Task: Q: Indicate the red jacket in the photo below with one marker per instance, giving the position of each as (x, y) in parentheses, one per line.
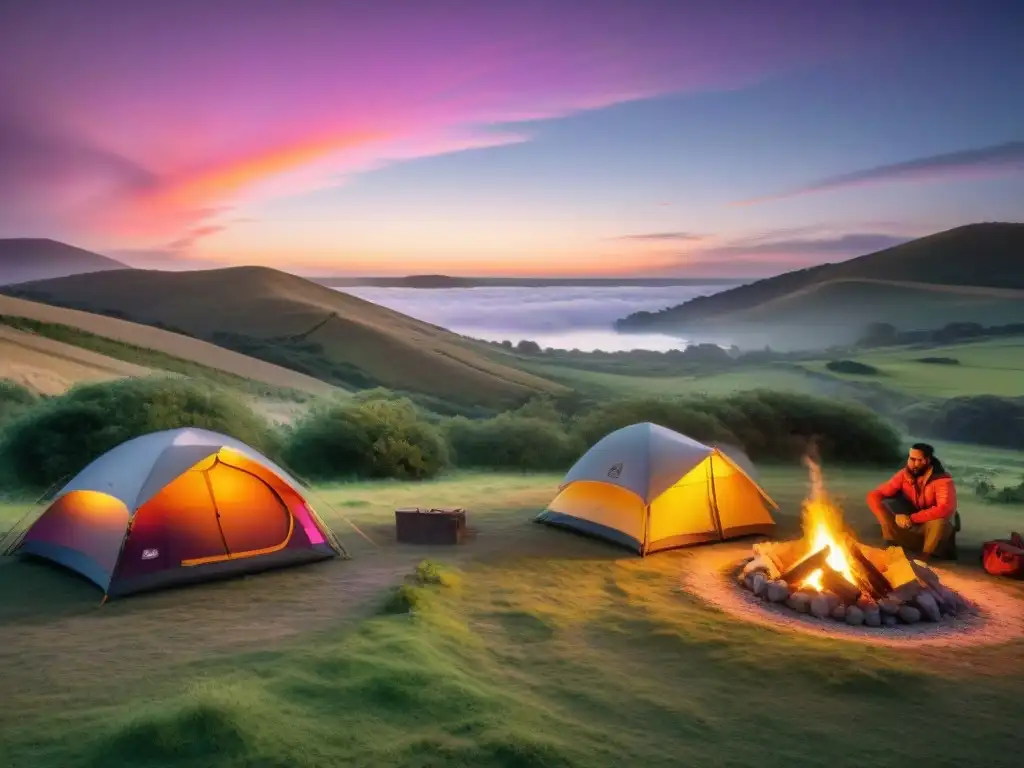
(934, 496)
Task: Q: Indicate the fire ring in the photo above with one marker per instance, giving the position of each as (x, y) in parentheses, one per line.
(996, 615)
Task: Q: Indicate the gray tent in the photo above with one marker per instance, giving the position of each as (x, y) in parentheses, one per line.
(650, 488)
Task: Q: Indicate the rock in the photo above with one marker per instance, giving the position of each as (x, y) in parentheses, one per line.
(758, 583)
(832, 599)
(839, 612)
(947, 598)
(873, 617)
(866, 603)
(778, 591)
(889, 606)
(799, 601)
(909, 614)
(820, 606)
(854, 615)
(928, 606)
(889, 620)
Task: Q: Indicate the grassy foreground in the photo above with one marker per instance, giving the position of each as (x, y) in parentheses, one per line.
(540, 649)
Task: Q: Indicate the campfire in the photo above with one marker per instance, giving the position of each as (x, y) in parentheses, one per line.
(830, 575)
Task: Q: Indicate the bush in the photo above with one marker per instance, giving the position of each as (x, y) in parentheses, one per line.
(978, 419)
(373, 438)
(59, 437)
(511, 441)
(939, 360)
(767, 424)
(852, 367)
(14, 400)
(1010, 494)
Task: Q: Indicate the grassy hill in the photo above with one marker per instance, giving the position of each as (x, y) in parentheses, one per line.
(23, 259)
(303, 326)
(47, 337)
(973, 273)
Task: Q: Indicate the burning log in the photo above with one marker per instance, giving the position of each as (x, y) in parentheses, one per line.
(796, 575)
(836, 583)
(869, 578)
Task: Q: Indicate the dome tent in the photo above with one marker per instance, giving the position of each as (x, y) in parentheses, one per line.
(649, 488)
(178, 506)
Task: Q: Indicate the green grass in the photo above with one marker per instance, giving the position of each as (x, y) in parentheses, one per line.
(992, 367)
(150, 358)
(612, 384)
(527, 646)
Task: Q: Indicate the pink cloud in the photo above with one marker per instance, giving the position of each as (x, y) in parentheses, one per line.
(144, 121)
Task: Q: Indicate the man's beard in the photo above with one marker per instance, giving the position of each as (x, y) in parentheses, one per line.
(917, 471)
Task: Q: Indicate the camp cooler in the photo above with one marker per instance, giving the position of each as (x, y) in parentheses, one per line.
(436, 525)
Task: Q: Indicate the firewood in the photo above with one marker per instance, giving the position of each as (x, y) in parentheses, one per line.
(837, 583)
(806, 567)
(869, 578)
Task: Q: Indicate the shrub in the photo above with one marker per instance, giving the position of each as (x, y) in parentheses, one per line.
(372, 438)
(939, 360)
(57, 438)
(852, 367)
(979, 419)
(1009, 494)
(511, 441)
(767, 424)
(14, 400)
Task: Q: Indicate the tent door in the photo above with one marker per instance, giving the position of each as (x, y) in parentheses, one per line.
(229, 555)
(713, 498)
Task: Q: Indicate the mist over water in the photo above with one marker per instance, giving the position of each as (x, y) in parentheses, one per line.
(573, 317)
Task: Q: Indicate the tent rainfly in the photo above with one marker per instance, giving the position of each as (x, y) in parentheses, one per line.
(174, 507)
(649, 488)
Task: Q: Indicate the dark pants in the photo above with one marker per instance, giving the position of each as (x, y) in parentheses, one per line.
(934, 538)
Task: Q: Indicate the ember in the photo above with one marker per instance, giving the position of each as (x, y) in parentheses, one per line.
(828, 573)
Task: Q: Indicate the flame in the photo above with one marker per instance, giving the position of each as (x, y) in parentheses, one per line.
(823, 527)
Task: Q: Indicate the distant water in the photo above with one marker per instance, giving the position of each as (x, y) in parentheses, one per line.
(560, 317)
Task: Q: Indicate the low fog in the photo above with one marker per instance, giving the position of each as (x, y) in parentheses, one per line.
(560, 317)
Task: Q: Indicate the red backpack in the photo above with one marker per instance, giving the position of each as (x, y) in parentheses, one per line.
(1004, 557)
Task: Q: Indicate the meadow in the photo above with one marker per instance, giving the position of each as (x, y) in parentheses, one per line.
(993, 367)
(528, 646)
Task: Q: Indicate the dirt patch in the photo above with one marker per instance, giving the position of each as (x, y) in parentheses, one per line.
(999, 617)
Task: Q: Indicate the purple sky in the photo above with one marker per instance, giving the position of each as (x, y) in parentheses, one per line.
(554, 137)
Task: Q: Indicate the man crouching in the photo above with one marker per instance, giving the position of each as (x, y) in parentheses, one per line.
(916, 507)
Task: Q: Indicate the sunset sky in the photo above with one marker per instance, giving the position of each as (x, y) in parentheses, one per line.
(555, 137)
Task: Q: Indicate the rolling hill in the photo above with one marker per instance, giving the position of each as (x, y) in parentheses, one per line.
(24, 259)
(45, 352)
(973, 273)
(298, 324)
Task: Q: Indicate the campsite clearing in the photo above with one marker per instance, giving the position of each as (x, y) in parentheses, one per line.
(546, 648)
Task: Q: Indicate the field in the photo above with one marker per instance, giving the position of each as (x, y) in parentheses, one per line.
(147, 346)
(992, 367)
(611, 384)
(49, 367)
(544, 649)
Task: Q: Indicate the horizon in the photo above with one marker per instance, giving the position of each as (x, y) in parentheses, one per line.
(615, 140)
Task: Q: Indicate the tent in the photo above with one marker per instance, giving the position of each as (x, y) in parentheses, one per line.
(178, 506)
(649, 489)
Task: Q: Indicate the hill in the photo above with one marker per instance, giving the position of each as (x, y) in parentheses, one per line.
(138, 346)
(300, 325)
(24, 259)
(49, 367)
(973, 273)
